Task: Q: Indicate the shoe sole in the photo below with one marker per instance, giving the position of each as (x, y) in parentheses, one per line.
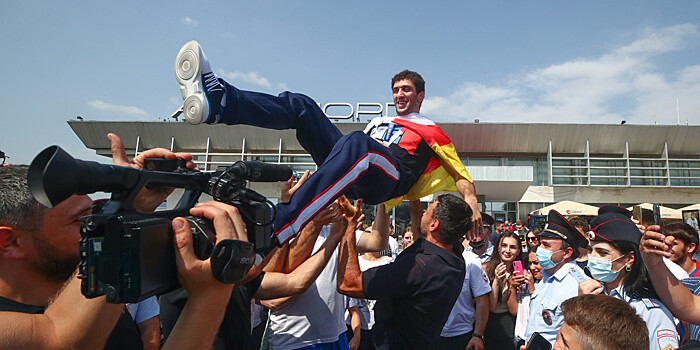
(187, 73)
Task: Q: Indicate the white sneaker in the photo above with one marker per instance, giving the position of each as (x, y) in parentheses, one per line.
(199, 86)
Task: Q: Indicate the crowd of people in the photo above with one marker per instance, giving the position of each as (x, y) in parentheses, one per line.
(455, 279)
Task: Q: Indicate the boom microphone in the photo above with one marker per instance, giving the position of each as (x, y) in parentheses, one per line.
(261, 172)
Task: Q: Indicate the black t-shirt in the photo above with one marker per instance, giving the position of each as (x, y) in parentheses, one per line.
(125, 334)
(414, 294)
(234, 332)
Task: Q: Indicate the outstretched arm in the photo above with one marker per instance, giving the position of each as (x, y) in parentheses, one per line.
(284, 280)
(682, 303)
(378, 239)
(349, 273)
(415, 209)
(468, 192)
(277, 285)
(148, 199)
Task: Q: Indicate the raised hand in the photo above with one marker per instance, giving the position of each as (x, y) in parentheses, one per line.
(590, 286)
(288, 190)
(654, 245)
(148, 199)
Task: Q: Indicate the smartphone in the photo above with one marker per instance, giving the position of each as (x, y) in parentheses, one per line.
(637, 213)
(537, 342)
(657, 214)
(518, 268)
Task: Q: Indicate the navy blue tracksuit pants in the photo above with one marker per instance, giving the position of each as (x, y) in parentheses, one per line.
(354, 165)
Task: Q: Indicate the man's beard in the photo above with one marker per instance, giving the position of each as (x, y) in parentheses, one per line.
(53, 263)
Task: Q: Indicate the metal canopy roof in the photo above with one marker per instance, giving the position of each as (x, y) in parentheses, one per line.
(468, 138)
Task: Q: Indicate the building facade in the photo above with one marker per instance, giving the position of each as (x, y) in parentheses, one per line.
(517, 167)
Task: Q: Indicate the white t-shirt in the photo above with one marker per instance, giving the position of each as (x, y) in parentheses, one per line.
(314, 317)
(676, 270)
(365, 307)
(523, 312)
(393, 247)
(144, 310)
(476, 283)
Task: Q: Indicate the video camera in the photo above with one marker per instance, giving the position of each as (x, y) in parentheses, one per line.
(128, 255)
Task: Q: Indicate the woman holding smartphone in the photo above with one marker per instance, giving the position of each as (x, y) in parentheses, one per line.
(617, 268)
(501, 325)
(519, 302)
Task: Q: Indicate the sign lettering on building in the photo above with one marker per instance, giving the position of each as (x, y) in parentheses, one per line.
(360, 112)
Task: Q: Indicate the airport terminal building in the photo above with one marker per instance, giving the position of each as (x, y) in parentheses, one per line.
(516, 167)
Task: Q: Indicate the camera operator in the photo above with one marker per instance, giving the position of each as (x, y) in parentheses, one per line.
(76, 322)
(38, 253)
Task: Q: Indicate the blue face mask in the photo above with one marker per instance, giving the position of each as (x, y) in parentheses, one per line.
(544, 256)
(601, 269)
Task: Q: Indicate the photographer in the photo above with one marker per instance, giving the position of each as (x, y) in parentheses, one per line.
(76, 322)
(38, 253)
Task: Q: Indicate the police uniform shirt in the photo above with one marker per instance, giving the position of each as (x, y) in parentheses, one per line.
(545, 305)
(486, 256)
(463, 314)
(659, 320)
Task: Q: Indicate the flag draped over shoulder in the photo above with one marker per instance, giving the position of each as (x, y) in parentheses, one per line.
(435, 178)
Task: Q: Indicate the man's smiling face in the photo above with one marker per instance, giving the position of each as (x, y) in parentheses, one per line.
(406, 97)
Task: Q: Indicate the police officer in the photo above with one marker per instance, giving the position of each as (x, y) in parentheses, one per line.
(618, 271)
(559, 242)
(480, 245)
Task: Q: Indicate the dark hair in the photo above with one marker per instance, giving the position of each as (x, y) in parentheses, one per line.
(526, 256)
(455, 217)
(496, 257)
(682, 232)
(606, 323)
(637, 283)
(581, 222)
(17, 206)
(414, 77)
(565, 244)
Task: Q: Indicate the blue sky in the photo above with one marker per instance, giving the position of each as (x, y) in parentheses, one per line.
(515, 61)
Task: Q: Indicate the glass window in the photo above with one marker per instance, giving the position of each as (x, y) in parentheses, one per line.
(648, 163)
(608, 181)
(609, 163)
(569, 162)
(647, 182)
(685, 182)
(638, 172)
(685, 173)
(570, 181)
(297, 159)
(569, 171)
(684, 164)
(608, 172)
(540, 169)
